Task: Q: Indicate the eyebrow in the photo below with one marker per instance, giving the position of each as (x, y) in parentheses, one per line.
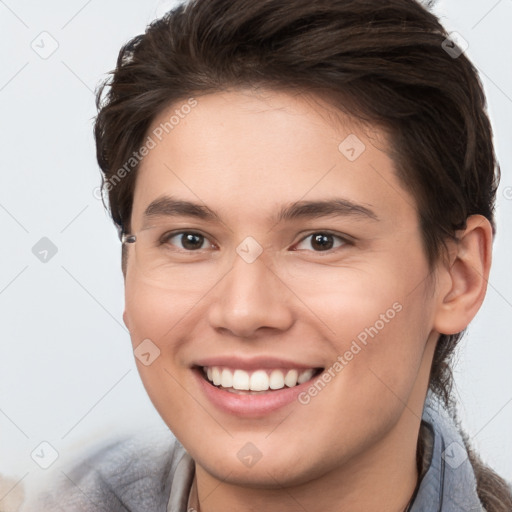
(170, 207)
(325, 208)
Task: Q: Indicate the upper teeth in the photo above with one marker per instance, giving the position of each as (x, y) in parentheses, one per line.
(259, 380)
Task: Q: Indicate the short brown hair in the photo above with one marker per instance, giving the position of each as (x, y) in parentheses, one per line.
(383, 62)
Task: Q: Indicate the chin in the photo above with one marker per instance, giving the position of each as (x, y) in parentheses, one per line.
(272, 471)
(275, 476)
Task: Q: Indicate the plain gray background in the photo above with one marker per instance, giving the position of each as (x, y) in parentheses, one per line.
(67, 375)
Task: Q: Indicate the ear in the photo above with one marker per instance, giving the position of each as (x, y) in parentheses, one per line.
(462, 280)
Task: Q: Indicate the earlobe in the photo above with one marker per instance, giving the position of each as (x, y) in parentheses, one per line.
(465, 278)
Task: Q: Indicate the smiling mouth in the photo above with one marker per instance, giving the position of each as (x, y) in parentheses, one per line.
(256, 382)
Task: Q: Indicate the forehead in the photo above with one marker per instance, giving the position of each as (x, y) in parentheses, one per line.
(253, 151)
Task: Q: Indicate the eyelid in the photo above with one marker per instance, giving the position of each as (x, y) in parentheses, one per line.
(165, 237)
(346, 239)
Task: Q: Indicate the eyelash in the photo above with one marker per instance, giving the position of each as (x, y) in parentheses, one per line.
(164, 240)
(345, 241)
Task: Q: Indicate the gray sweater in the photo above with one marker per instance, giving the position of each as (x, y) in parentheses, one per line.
(139, 476)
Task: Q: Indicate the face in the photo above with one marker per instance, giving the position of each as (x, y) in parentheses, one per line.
(280, 279)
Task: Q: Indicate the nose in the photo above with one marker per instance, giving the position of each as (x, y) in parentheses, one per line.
(251, 299)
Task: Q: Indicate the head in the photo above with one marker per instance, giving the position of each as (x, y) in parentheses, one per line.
(350, 156)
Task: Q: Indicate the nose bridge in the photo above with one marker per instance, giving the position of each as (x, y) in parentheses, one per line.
(250, 297)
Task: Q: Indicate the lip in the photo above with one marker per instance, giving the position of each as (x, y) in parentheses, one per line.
(253, 363)
(249, 406)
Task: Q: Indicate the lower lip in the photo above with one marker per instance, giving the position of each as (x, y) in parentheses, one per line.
(249, 405)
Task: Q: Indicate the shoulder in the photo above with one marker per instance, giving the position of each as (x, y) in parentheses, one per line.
(130, 474)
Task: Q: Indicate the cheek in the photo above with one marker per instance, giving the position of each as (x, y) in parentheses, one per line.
(153, 312)
(378, 325)
(378, 349)
(153, 318)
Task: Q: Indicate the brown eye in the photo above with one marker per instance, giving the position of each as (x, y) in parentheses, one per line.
(192, 241)
(188, 240)
(321, 241)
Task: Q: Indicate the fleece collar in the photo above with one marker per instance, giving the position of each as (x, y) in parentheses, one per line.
(449, 483)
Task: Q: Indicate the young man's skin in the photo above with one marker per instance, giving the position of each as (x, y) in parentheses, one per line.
(247, 155)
